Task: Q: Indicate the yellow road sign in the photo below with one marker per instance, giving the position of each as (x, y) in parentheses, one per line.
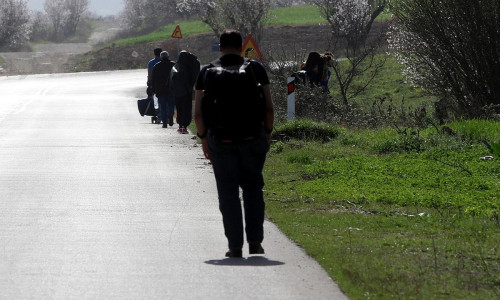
(177, 34)
(250, 49)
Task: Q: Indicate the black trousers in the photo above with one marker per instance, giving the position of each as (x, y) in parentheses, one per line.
(240, 166)
(184, 107)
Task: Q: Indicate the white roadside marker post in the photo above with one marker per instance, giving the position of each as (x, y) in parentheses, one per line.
(291, 98)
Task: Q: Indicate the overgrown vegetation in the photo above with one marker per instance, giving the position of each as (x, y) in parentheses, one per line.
(451, 49)
(393, 215)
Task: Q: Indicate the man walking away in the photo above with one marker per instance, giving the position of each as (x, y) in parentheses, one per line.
(234, 117)
(183, 78)
(161, 82)
(150, 92)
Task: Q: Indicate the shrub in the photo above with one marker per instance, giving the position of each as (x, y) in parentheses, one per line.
(450, 47)
(304, 129)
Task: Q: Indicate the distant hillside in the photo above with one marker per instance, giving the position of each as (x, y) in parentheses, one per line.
(291, 39)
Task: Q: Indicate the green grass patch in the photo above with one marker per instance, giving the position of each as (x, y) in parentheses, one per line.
(393, 222)
(295, 15)
(389, 83)
(477, 130)
(308, 130)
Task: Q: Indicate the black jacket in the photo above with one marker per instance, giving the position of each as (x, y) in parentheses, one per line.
(185, 74)
(161, 77)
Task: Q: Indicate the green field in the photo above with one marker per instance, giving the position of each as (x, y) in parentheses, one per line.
(389, 83)
(295, 15)
(164, 33)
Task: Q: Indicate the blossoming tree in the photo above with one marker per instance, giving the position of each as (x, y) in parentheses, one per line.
(14, 23)
(452, 49)
(243, 15)
(353, 42)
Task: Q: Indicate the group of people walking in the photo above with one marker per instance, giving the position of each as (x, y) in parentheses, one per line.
(172, 83)
(234, 117)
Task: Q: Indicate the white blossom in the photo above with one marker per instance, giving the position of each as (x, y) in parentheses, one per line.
(14, 23)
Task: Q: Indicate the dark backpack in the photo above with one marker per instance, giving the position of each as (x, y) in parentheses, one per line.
(233, 104)
(184, 74)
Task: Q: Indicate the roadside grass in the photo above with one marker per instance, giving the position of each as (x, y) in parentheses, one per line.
(164, 33)
(389, 84)
(389, 221)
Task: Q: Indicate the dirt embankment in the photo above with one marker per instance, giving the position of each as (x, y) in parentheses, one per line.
(277, 40)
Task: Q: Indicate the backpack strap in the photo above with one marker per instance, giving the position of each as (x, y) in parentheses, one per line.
(209, 66)
(252, 70)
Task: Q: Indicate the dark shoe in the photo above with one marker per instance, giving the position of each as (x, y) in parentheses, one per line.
(164, 126)
(171, 122)
(234, 253)
(255, 249)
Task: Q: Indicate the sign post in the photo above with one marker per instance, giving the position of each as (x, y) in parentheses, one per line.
(250, 49)
(177, 34)
(291, 98)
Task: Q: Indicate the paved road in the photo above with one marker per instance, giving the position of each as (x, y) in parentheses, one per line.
(52, 58)
(98, 203)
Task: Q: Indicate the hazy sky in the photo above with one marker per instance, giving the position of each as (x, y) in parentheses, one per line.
(100, 7)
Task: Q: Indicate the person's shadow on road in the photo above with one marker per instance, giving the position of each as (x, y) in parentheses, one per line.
(255, 261)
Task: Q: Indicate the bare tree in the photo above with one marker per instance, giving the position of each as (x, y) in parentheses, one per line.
(57, 15)
(351, 19)
(75, 8)
(39, 26)
(14, 23)
(242, 15)
(64, 16)
(147, 15)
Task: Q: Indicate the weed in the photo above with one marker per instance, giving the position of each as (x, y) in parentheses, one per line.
(387, 218)
(304, 129)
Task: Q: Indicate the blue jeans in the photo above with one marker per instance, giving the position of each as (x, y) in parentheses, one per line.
(240, 165)
(167, 106)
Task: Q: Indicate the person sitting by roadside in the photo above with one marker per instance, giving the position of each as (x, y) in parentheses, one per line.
(314, 66)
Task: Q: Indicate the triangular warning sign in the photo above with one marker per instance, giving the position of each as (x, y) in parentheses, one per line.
(177, 34)
(250, 49)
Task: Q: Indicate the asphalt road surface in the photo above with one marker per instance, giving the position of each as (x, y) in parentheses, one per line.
(98, 203)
